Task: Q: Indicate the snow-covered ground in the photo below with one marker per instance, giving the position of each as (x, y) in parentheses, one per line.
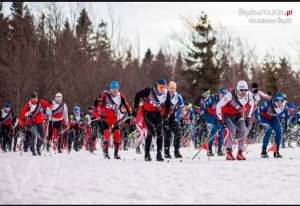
(89, 179)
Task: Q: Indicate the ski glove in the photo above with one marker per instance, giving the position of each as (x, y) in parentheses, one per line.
(181, 123)
(134, 112)
(221, 122)
(263, 125)
(130, 116)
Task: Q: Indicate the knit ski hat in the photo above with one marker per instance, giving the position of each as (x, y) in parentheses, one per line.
(58, 96)
(34, 95)
(278, 97)
(242, 85)
(222, 91)
(6, 106)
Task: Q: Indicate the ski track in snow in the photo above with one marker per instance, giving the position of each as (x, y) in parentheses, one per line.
(84, 178)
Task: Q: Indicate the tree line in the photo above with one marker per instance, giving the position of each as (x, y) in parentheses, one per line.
(48, 55)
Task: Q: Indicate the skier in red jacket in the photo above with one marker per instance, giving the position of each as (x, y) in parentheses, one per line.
(33, 110)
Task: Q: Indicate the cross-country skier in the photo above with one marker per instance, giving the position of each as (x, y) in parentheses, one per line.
(176, 104)
(34, 111)
(58, 115)
(109, 104)
(231, 112)
(211, 120)
(199, 130)
(154, 98)
(267, 116)
(6, 120)
(76, 130)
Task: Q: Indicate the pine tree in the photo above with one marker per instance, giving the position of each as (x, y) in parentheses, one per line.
(269, 73)
(287, 79)
(84, 31)
(160, 67)
(178, 68)
(103, 45)
(4, 54)
(147, 61)
(146, 68)
(202, 70)
(43, 58)
(23, 53)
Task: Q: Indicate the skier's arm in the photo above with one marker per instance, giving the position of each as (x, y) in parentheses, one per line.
(23, 112)
(264, 95)
(125, 103)
(141, 94)
(261, 108)
(168, 103)
(181, 105)
(251, 104)
(45, 103)
(65, 114)
(286, 117)
(101, 101)
(227, 98)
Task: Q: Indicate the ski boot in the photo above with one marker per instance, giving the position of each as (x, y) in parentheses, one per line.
(116, 156)
(210, 153)
(33, 152)
(277, 154)
(167, 154)
(240, 155)
(159, 157)
(264, 154)
(177, 154)
(220, 152)
(229, 155)
(106, 155)
(38, 150)
(148, 157)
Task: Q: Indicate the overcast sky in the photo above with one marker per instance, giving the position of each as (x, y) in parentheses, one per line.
(153, 22)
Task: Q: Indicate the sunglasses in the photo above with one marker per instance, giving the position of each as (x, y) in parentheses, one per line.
(254, 91)
(243, 90)
(161, 86)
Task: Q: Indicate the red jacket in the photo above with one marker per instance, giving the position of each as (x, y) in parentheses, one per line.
(109, 105)
(35, 111)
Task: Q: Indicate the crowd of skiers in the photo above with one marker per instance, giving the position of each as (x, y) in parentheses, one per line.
(230, 117)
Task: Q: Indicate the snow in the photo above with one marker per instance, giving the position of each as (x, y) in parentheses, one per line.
(84, 178)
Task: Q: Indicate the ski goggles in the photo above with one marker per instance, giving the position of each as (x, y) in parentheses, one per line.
(161, 86)
(243, 90)
(254, 91)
